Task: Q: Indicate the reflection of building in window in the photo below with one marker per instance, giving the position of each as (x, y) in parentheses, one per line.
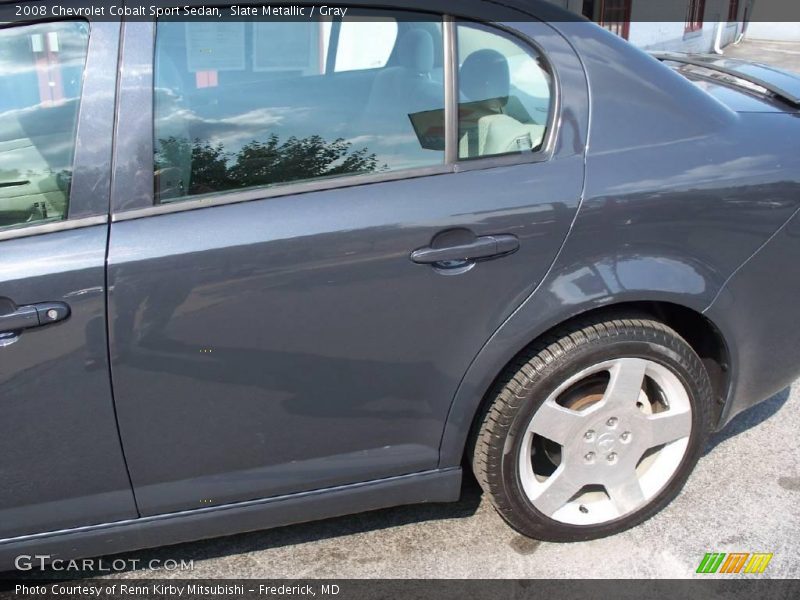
(48, 71)
(214, 47)
(365, 45)
(291, 47)
(287, 47)
(41, 69)
(260, 104)
(205, 79)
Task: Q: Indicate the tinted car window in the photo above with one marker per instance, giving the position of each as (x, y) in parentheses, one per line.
(241, 105)
(364, 45)
(41, 68)
(504, 94)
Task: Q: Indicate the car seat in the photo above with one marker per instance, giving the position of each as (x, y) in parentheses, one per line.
(406, 88)
(486, 129)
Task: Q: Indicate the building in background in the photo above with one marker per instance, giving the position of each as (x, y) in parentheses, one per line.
(707, 24)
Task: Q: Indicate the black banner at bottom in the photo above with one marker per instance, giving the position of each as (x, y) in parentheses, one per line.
(345, 589)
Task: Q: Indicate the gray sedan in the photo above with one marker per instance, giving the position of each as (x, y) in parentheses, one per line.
(256, 272)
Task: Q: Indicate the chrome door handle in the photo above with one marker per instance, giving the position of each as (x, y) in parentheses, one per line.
(487, 246)
(33, 315)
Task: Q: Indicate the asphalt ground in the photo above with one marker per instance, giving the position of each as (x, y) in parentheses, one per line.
(744, 496)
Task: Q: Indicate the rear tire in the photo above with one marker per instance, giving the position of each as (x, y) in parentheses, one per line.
(593, 430)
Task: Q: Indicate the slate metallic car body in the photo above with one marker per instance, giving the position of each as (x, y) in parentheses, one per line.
(266, 356)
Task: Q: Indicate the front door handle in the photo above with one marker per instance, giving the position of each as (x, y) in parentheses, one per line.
(481, 248)
(33, 315)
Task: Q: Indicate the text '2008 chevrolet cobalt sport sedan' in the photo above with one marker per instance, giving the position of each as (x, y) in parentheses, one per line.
(254, 272)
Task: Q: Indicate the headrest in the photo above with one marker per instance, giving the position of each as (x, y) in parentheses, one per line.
(484, 75)
(415, 51)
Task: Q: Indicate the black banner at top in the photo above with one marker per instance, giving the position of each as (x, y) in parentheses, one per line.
(710, 11)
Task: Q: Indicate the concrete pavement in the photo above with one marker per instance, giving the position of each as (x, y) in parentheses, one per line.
(785, 55)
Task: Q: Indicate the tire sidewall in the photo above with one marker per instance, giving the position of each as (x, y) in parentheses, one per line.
(676, 356)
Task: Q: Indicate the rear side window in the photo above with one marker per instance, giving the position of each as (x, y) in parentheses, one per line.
(41, 70)
(504, 94)
(246, 104)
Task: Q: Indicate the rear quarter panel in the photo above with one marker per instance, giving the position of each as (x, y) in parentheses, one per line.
(680, 191)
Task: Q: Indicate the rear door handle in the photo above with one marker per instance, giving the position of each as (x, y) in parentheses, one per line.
(487, 246)
(33, 315)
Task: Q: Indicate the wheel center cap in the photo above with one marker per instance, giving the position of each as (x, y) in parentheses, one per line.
(606, 441)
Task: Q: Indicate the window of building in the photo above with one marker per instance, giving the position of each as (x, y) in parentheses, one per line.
(615, 16)
(41, 69)
(504, 94)
(695, 12)
(241, 105)
(733, 11)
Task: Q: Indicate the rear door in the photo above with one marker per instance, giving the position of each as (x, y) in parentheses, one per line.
(61, 462)
(301, 279)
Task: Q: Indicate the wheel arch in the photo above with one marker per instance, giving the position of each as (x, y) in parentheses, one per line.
(703, 335)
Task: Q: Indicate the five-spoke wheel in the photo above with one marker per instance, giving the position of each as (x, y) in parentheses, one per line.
(594, 431)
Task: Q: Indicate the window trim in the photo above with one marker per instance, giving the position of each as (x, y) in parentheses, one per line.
(133, 195)
(94, 142)
(23, 230)
(280, 190)
(450, 61)
(134, 141)
(90, 189)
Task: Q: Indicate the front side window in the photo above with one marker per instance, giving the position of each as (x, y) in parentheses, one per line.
(248, 104)
(504, 94)
(41, 69)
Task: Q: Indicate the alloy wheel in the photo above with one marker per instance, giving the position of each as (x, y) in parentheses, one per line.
(605, 442)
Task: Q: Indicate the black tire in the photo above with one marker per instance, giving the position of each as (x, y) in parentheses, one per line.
(536, 373)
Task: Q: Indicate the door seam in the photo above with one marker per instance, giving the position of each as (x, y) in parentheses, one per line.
(115, 129)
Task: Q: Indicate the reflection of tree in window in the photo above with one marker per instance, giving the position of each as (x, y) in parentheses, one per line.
(41, 70)
(257, 163)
